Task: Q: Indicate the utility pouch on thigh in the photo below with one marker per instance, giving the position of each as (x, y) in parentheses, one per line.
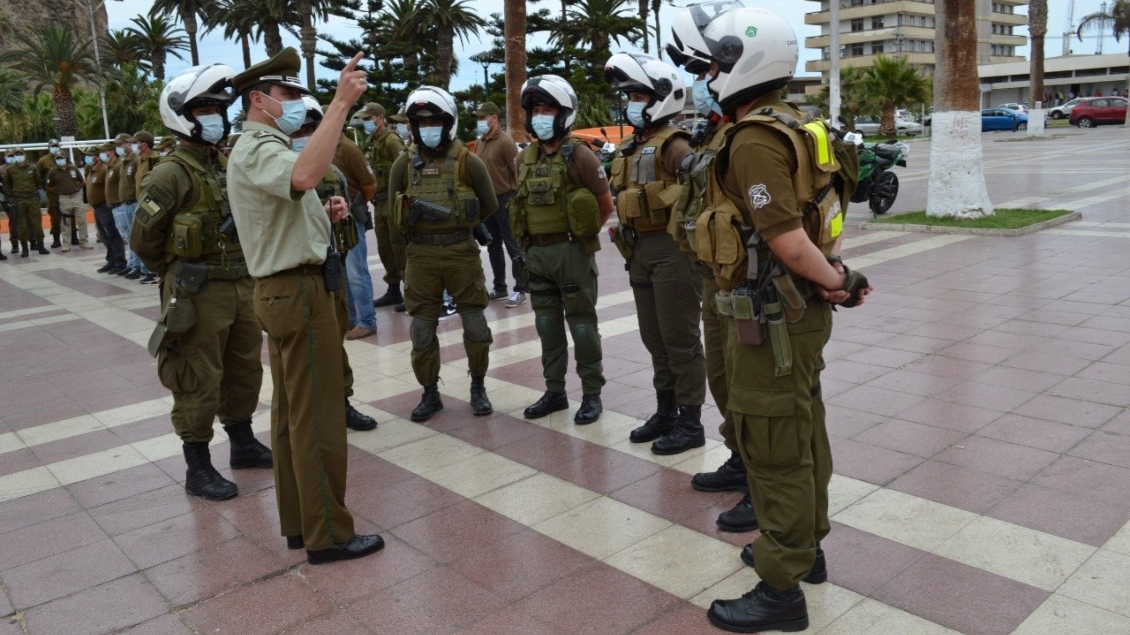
(193, 276)
(779, 337)
(619, 237)
(746, 316)
(180, 315)
(188, 236)
(725, 307)
(791, 300)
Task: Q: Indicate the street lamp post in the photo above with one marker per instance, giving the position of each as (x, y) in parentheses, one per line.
(90, 8)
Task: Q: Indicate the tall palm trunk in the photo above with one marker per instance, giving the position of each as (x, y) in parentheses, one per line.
(64, 103)
(245, 44)
(643, 16)
(445, 56)
(272, 39)
(655, 6)
(956, 186)
(1037, 29)
(515, 60)
(189, 20)
(309, 41)
(158, 63)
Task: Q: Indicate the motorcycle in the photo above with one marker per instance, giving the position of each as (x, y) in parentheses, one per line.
(877, 184)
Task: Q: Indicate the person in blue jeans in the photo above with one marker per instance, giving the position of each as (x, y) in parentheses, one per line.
(359, 289)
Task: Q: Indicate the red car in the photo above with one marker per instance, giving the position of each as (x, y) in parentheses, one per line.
(1089, 113)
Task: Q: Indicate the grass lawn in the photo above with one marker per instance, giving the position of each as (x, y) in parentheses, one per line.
(1004, 219)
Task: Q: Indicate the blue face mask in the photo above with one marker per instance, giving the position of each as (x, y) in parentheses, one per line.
(54, 150)
(293, 115)
(61, 161)
(104, 156)
(134, 148)
(89, 161)
(402, 130)
(212, 128)
(482, 127)
(120, 151)
(543, 126)
(299, 143)
(9, 160)
(431, 136)
(20, 159)
(635, 113)
(703, 101)
(370, 126)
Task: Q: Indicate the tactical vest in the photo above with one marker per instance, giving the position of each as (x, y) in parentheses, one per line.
(381, 165)
(692, 197)
(547, 202)
(195, 233)
(445, 185)
(645, 191)
(718, 229)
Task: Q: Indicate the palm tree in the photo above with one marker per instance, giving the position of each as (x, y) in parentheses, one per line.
(308, 35)
(1037, 30)
(956, 186)
(1117, 22)
(404, 18)
(11, 93)
(53, 57)
(157, 38)
(449, 19)
(598, 23)
(514, 12)
(121, 47)
(238, 21)
(893, 82)
(186, 10)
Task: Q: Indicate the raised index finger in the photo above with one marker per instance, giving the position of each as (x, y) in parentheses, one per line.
(352, 65)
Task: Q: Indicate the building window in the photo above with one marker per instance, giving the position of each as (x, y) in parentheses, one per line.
(876, 48)
(856, 50)
(877, 22)
(857, 25)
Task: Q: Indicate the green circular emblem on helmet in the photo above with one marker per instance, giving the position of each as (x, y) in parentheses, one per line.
(751, 31)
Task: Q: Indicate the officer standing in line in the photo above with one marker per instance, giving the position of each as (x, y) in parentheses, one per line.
(286, 238)
(498, 151)
(7, 203)
(666, 286)
(146, 157)
(207, 343)
(97, 159)
(559, 172)
(22, 183)
(45, 164)
(440, 192)
(383, 146)
(112, 157)
(165, 146)
(67, 183)
(402, 130)
(347, 238)
(717, 327)
(127, 150)
(780, 203)
(362, 184)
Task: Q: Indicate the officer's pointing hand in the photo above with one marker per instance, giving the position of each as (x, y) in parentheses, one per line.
(352, 83)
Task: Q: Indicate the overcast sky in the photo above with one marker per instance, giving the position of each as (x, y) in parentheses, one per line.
(214, 48)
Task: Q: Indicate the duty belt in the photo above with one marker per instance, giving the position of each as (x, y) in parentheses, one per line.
(545, 240)
(300, 270)
(218, 272)
(25, 196)
(440, 239)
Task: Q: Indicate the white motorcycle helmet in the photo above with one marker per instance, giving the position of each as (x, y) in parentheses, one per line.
(196, 86)
(314, 112)
(629, 72)
(687, 48)
(553, 91)
(431, 102)
(756, 52)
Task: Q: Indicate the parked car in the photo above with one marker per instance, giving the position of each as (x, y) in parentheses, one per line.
(1017, 106)
(869, 126)
(1089, 113)
(1063, 110)
(1003, 119)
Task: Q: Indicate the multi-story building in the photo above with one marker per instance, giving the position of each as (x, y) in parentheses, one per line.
(906, 27)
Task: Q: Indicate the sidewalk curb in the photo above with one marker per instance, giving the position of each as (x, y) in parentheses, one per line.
(976, 231)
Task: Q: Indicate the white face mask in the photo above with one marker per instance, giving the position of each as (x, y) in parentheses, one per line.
(298, 143)
(543, 126)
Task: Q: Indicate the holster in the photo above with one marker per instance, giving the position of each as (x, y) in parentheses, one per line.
(778, 334)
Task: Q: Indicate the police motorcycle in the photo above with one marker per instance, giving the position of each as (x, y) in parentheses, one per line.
(877, 184)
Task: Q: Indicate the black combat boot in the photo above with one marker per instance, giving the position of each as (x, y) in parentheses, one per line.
(390, 298)
(55, 244)
(2, 256)
(355, 420)
(15, 246)
(246, 451)
(660, 423)
(688, 433)
(590, 410)
(729, 477)
(818, 574)
(23, 249)
(430, 403)
(740, 518)
(74, 237)
(38, 244)
(480, 403)
(202, 479)
(762, 609)
(548, 403)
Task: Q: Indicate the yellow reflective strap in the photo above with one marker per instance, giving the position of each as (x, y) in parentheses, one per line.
(836, 224)
(823, 146)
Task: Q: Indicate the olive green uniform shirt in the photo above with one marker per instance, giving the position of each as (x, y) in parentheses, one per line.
(114, 181)
(172, 189)
(22, 180)
(498, 151)
(45, 164)
(65, 180)
(96, 184)
(351, 161)
(144, 165)
(384, 152)
(279, 228)
(127, 187)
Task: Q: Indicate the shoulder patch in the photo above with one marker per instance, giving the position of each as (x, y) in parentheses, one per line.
(601, 174)
(759, 196)
(129, 171)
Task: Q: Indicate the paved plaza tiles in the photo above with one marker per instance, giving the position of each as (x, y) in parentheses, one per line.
(977, 405)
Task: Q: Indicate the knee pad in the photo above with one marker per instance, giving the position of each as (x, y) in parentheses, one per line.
(584, 335)
(475, 326)
(422, 333)
(548, 324)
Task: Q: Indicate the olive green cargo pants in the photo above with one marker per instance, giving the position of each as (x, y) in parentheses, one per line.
(716, 329)
(390, 243)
